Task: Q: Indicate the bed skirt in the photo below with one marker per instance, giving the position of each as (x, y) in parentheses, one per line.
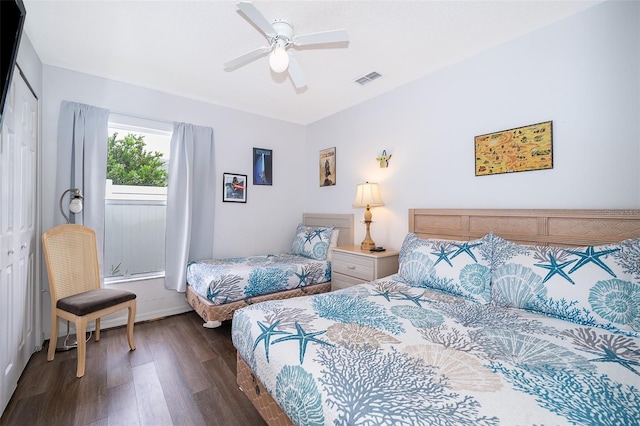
(210, 312)
(259, 397)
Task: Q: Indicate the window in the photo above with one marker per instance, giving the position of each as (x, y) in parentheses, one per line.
(136, 198)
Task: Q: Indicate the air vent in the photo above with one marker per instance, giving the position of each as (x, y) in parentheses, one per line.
(367, 78)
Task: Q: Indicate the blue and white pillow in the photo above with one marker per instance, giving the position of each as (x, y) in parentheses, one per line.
(461, 268)
(589, 285)
(312, 242)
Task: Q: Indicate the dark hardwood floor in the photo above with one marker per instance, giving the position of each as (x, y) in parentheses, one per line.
(179, 374)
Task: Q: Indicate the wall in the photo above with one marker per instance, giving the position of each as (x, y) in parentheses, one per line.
(261, 225)
(582, 72)
(30, 64)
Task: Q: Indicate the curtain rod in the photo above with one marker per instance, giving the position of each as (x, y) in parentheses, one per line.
(139, 117)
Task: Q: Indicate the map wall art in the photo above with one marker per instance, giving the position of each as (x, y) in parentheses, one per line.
(515, 150)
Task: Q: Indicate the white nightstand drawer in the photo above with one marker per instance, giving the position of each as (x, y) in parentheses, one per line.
(353, 265)
(339, 281)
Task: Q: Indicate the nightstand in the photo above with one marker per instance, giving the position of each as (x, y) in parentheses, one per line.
(350, 265)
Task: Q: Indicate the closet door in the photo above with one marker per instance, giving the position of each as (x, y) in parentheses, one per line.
(18, 142)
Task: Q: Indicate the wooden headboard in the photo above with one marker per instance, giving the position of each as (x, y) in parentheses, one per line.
(528, 226)
(343, 222)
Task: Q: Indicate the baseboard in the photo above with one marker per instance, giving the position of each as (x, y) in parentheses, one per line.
(146, 316)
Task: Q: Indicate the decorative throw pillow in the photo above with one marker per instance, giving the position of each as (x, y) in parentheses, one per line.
(589, 285)
(461, 268)
(333, 242)
(334, 238)
(312, 242)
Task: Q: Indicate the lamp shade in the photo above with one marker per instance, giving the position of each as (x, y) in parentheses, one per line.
(75, 203)
(367, 195)
(75, 206)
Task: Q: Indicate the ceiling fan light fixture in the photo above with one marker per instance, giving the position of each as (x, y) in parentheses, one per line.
(279, 34)
(279, 59)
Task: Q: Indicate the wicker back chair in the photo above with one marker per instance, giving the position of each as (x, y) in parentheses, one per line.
(71, 255)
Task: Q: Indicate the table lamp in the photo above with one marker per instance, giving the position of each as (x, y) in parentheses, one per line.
(367, 195)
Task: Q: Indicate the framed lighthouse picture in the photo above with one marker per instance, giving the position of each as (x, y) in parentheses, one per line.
(328, 167)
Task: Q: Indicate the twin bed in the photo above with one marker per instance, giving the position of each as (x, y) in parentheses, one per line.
(217, 288)
(495, 317)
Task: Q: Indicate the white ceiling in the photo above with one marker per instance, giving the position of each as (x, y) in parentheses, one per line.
(180, 46)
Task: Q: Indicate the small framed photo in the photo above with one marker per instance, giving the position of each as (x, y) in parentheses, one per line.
(234, 188)
(262, 166)
(328, 167)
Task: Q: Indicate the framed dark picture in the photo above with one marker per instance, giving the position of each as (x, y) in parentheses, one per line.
(328, 167)
(262, 166)
(234, 188)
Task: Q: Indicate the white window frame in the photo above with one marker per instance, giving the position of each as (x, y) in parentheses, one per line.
(145, 126)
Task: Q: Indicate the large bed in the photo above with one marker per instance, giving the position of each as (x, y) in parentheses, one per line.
(554, 338)
(213, 285)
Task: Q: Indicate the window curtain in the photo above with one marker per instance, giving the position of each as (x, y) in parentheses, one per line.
(82, 163)
(190, 202)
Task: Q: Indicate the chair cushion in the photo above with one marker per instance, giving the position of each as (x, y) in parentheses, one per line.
(94, 300)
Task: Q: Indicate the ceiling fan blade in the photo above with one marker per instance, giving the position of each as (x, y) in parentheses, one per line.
(335, 36)
(247, 57)
(296, 74)
(254, 15)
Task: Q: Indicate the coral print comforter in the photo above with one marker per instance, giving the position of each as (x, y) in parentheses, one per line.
(388, 353)
(227, 280)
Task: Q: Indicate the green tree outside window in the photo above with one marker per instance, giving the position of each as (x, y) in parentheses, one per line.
(128, 163)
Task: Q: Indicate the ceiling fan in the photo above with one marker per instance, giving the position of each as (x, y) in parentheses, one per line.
(279, 34)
